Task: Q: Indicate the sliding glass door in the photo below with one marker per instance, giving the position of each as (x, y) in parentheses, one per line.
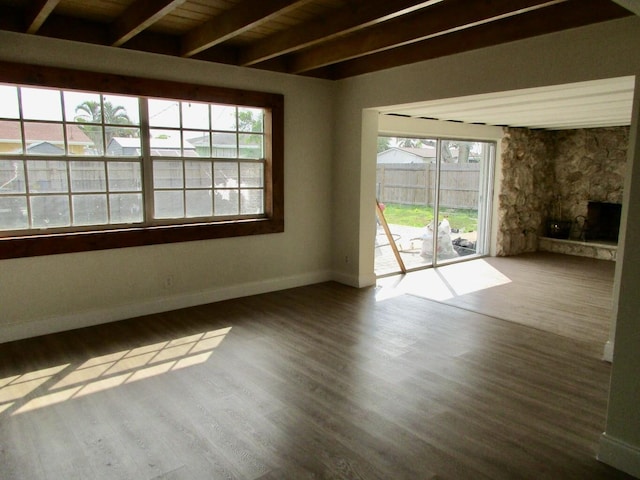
(436, 200)
(462, 204)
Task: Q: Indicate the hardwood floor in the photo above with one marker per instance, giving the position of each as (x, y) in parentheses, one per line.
(563, 294)
(323, 381)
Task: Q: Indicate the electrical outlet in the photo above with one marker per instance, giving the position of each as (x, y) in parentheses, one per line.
(346, 259)
(168, 282)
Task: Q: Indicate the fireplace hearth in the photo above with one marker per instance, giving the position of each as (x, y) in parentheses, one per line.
(603, 221)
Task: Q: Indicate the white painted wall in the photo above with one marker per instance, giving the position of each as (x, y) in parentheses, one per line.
(620, 444)
(595, 52)
(45, 294)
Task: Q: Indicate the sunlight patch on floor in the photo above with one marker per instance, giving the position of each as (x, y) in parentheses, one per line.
(53, 385)
(443, 283)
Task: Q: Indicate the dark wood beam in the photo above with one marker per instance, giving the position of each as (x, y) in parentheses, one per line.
(37, 13)
(85, 31)
(139, 16)
(439, 19)
(155, 42)
(356, 15)
(220, 54)
(233, 22)
(11, 19)
(631, 5)
(76, 29)
(571, 14)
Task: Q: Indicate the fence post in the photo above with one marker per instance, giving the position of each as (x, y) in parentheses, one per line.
(381, 184)
(427, 183)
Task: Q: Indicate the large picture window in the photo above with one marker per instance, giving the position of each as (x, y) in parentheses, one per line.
(82, 169)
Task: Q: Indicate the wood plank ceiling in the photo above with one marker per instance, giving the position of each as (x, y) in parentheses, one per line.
(331, 39)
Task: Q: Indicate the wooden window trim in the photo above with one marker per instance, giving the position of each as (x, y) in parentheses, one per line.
(57, 243)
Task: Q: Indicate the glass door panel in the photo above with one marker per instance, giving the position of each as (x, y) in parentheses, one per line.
(420, 180)
(405, 187)
(462, 194)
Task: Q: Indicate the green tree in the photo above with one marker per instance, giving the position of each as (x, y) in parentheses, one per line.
(383, 144)
(250, 122)
(92, 113)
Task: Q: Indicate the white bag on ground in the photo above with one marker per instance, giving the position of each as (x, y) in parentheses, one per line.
(445, 246)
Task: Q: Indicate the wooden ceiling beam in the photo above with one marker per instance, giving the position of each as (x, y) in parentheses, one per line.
(11, 19)
(439, 19)
(385, 41)
(37, 14)
(356, 15)
(154, 42)
(571, 14)
(233, 22)
(76, 29)
(68, 28)
(140, 15)
(631, 5)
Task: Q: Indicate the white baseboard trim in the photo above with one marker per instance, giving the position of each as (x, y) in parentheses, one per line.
(17, 331)
(354, 280)
(345, 279)
(619, 455)
(607, 353)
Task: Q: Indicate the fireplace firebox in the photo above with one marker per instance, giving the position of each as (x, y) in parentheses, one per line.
(603, 221)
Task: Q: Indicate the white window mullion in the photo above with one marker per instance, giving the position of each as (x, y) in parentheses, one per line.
(213, 187)
(184, 177)
(27, 189)
(104, 127)
(107, 190)
(436, 204)
(67, 152)
(65, 135)
(147, 164)
(69, 197)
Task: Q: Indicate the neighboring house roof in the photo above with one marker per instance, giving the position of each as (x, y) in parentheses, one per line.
(126, 142)
(407, 155)
(156, 143)
(46, 148)
(159, 146)
(42, 132)
(414, 155)
(424, 152)
(220, 140)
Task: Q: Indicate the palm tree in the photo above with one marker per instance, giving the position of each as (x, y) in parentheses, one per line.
(92, 112)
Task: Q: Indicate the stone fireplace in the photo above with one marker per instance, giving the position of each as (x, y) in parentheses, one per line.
(602, 222)
(553, 177)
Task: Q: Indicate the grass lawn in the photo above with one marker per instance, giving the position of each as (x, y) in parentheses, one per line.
(419, 216)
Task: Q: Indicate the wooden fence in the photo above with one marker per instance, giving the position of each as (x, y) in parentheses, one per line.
(414, 184)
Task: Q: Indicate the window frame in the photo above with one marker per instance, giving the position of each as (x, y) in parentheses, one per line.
(102, 239)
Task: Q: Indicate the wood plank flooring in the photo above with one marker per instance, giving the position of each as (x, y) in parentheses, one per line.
(563, 294)
(320, 382)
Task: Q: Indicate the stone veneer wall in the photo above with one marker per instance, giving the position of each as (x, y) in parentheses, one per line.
(526, 190)
(555, 173)
(589, 166)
